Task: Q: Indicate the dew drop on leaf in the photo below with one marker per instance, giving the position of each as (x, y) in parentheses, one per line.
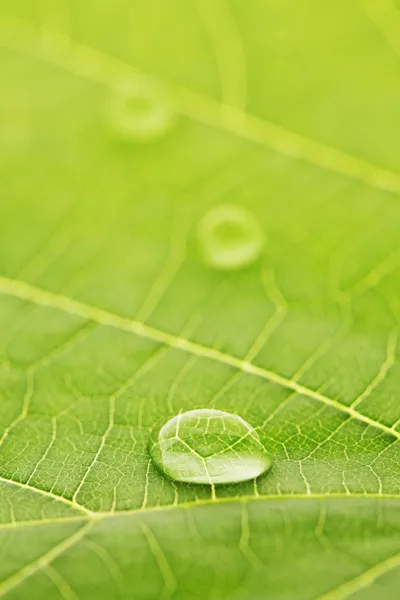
(141, 108)
(209, 447)
(230, 237)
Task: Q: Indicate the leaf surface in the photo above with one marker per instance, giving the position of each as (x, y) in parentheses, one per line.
(110, 319)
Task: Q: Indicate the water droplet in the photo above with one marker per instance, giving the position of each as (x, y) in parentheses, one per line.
(142, 108)
(230, 237)
(210, 447)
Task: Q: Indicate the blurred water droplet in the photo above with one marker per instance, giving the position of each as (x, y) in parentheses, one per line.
(230, 237)
(142, 108)
(209, 447)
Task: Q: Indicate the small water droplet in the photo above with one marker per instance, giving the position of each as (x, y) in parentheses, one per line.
(230, 237)
(142, 108)
(210, 447)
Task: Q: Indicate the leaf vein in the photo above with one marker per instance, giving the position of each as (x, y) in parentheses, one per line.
(84, 61)
(21, 289)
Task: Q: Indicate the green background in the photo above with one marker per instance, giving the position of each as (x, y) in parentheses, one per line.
(110, 320)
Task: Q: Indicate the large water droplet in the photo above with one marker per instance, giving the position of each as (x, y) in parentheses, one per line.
(230, 237)
(210, 447)
(141, 108)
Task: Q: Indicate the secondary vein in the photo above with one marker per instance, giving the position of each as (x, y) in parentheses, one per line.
(94, 65)
(39, 296)
(101, 516)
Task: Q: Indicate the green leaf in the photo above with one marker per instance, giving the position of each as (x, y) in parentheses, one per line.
(111, 319)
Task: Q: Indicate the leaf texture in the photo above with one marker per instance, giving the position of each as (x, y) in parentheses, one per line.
(111, 320)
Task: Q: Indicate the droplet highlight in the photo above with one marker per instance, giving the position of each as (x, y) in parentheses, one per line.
(230, 237)
(142, 108)
(208, 446)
